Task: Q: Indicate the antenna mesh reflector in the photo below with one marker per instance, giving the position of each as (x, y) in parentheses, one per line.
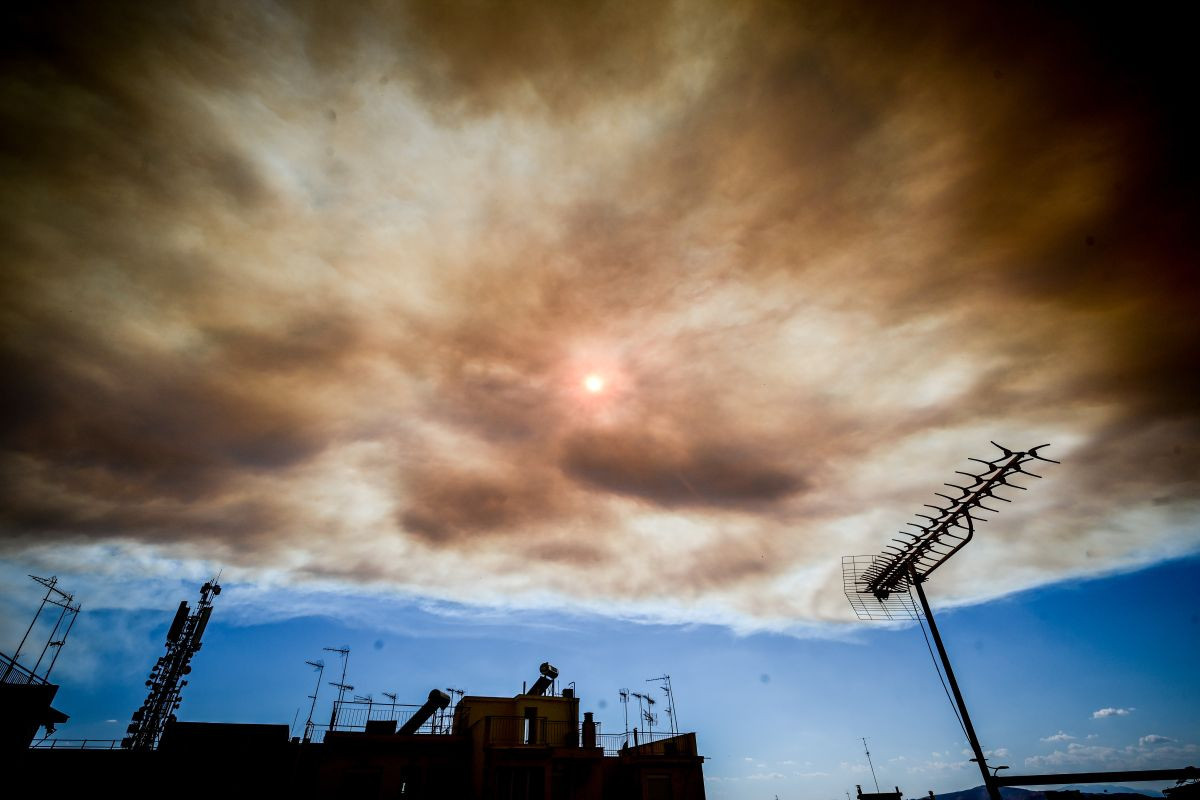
(896, 606)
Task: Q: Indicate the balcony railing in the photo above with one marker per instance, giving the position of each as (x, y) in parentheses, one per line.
(76, 744)
(12, 672)
(532, 731)
(661, 743)
(352, 716)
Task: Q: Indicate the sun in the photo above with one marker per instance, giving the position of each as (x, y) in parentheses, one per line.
(593, 383)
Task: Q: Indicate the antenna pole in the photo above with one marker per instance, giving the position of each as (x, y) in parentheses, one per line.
(342, 686)
(664, 683)
(872, 766)
(671, 699)
(319, 666)
(992, 789)
(59, 644)
(50, 584)
(625, 705)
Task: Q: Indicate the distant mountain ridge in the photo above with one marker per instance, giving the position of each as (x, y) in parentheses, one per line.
(1014, 793)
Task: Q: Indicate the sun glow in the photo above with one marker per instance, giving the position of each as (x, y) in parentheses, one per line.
(594, 384)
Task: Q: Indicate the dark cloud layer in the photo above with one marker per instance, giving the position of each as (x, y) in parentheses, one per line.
(309, 284)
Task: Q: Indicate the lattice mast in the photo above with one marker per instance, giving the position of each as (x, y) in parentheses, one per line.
(878, 586)
(167, 677)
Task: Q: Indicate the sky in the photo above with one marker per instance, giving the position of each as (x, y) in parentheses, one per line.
(312, 295)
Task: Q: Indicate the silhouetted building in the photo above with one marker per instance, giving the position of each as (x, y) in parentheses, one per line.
(529, 747)
(896, 795)
(533, 746)
(25, 699)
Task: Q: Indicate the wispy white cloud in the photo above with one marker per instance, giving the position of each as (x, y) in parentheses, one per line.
(1152, 754)
(765, 776)
(1153, 738)
(1061, 736)
(1112, 712)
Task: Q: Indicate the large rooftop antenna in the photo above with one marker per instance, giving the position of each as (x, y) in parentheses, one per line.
(69, 611)
(664, 682)
(878, 587)
(342, 686)
(166, 678)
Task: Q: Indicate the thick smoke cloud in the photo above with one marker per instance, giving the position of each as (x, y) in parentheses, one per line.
(313, 290)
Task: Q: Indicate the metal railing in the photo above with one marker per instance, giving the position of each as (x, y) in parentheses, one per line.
(657, 743)
(531, 731)
(352, 715)
(12, 672)
(76, 744)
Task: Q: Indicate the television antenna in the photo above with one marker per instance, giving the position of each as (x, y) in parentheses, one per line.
(369, 700)
(650, 717)
(341, 685)
(879, 587)
(664, 682)
(624, 694)
(69, 611)
(319, 666)
(871, 765)
(641, 708)
(456, 695)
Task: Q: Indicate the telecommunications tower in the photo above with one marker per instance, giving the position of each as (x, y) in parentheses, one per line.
(167, 678)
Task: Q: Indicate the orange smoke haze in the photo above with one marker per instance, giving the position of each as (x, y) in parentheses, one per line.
(655, 309)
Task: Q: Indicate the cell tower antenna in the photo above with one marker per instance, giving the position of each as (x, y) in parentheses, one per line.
(167, 677)
(880, 586)
(664, 682)
(872, 766)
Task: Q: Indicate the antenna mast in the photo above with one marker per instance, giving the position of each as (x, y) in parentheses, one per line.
(342, 686)
(70, 610)
(625, 704)
(166, 678)
(879, 587)
(872, 766)
(319, 666)
(664, 682)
